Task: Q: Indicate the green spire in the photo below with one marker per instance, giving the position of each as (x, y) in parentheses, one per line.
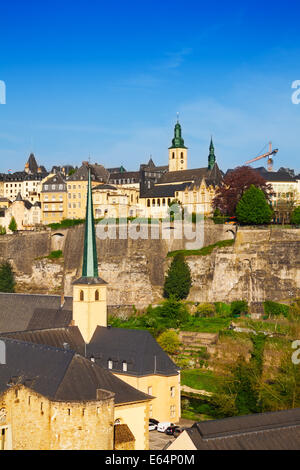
(90, 261)
(211, 157)
(178, 141)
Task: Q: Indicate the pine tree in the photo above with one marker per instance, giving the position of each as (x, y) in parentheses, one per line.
(253, 208)
(178, 281)
(7, 280)
(13, 225)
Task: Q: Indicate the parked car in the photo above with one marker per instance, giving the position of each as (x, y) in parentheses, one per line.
(173, 431)
(153, 423)
(163, 426)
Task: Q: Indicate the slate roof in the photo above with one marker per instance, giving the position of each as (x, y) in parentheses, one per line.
(61, 375)
(166, 190)
(57, 179)
(196, 175)
(138, 348)
(19, 312)
(98, 173)
(276, 176)
(265, 431)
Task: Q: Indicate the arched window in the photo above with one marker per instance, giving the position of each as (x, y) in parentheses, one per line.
(81, 295)
(181, 154)
(173, 155)
(97, 295)
(158, 202)
(163, 202)
(153, 202)
(148, 203)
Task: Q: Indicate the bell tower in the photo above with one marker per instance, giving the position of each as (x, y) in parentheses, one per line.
(178, 151)
(89, 291)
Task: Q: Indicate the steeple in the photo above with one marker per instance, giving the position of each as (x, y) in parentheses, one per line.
(178, 141)
(177, 151)
(90, 260)
(89, 291)
(211, 156)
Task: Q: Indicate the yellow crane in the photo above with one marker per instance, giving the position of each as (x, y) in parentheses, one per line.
(269, 154)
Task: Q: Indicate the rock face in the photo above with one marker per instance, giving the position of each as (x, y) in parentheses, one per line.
(263, 264)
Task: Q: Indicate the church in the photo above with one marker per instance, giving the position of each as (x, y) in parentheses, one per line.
(69, 380)
(193, 189)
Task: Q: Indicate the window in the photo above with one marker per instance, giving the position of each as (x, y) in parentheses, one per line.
(97, 295)
(173, 155)
(150, 411)
(153, 202)
(81, 297)
(124, 366)
(172, 390)
(110, 364)
(148, 202)
(173, 411)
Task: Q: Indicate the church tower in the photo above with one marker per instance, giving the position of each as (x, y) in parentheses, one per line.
(178, 151)
(211, 156)
(89, 291)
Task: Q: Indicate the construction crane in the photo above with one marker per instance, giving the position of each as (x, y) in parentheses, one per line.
(269, 154)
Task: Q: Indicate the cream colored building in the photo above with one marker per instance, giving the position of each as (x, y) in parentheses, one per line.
(115, 201)
(26, 215)
(54, 200)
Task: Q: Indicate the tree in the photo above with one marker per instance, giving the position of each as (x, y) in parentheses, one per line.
(170, 314)
(13, 225)
(169, 341)
(178, 281)
(253, 207)
(7, 280)
(234, 186)
(2, 230)
(295, 219)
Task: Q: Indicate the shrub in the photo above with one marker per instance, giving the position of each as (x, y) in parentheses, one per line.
(223, 310)
(171, 314)
(178, 281)
(7, 279)
(295, 218)
(205, 310)
(13, 225)
(55, 254)
(274, 309)
(169, 341)
(238, 307)
(2, 230)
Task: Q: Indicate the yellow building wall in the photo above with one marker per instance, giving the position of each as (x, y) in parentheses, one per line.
(136, 416)
(35, 423)
(177, 159)
(54, 209)
(89, 312)
(159, 387)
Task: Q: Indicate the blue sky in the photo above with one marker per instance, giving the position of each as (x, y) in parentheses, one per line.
(105, 79)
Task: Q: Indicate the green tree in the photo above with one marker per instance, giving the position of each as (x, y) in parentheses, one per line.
(2, 230)
(169, 341)
(13, 225)
(253, 207)
(7, 280)
(295, 218)
(170, 314)
(238, 307)
(178, 281)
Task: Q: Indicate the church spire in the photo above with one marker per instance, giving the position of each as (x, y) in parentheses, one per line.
(211, 157)
(178, 141)
(90, 261)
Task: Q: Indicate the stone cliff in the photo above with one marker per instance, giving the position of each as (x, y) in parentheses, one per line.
(263, 264)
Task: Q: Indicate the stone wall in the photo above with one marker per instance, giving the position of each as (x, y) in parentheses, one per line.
(263, 264)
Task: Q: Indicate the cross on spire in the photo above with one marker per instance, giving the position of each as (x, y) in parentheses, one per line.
(90, 260)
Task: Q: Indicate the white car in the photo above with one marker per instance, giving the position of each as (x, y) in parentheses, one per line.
(162, 427)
